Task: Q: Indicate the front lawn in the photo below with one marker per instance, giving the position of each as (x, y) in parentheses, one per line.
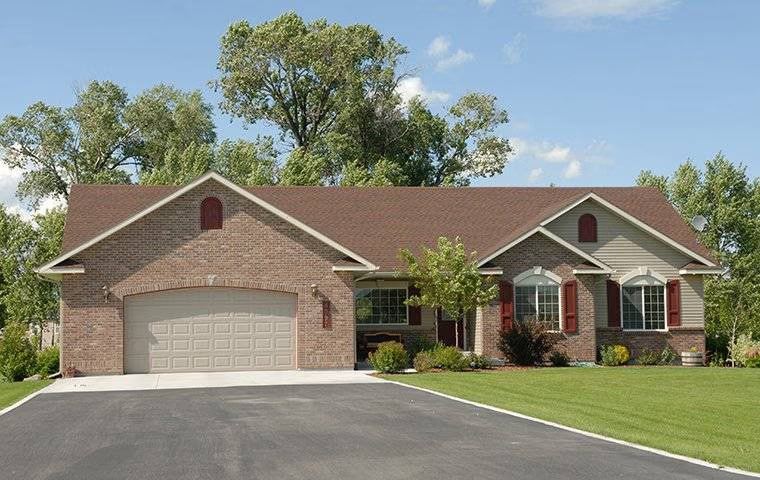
(707, 413)
(11, 393)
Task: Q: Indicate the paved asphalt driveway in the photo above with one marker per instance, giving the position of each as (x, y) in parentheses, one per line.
(367, 431)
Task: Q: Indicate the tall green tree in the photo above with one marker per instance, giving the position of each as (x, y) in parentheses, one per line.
(332, 91)
(24, 296)
(102, 138)
(730, 201)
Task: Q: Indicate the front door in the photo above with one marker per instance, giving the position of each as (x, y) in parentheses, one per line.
(447, 331)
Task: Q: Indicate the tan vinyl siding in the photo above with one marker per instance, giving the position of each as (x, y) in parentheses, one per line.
(624, 247)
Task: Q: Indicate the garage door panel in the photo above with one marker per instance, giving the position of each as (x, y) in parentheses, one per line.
(209, 329)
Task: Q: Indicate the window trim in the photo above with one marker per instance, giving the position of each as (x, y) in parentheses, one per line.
(650, 278)
(406, 320)
(554, 279)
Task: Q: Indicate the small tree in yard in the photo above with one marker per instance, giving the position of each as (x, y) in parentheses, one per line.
(448, 278)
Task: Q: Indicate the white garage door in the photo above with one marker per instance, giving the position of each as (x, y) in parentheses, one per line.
(209, 329)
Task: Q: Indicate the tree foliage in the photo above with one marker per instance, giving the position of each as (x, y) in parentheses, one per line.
(332, 91)
(448, 278)
(24, 246)
(102, 138)
(730, 201)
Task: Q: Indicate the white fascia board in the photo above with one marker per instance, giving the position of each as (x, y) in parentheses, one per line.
(552, 236)
(198, 181)
(635, 221)
(351, 268)
(491, 271)
(705, 271)
(579, 271)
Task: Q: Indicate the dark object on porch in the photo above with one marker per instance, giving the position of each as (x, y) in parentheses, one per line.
(367, 342)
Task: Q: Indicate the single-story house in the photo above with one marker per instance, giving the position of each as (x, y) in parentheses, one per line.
(216, 276)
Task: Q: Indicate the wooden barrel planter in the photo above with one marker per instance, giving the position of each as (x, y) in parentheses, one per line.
(692, 359)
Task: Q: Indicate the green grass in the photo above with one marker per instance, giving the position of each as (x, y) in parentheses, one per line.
(707, 413)
(11, 393)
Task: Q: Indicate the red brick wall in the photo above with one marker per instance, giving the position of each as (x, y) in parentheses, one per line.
(679, 339)
(167, 249)
(539, 250)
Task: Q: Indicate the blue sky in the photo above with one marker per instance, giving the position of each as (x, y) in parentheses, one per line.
(596, 89)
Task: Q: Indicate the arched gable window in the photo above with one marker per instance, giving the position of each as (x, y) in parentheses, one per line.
(537, 297)
(211, 213)
(643, 300)
(587, 228)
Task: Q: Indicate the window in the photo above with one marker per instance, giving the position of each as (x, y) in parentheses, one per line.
(211, 213)
(587, 228)
(644, 308)
(380, 306)
(643, 300)
(537, 297)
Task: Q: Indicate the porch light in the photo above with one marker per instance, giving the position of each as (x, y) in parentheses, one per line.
(314, 290)
(106, 293)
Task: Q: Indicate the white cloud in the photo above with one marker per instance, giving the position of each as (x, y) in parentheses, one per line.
(454, 60)
(438, 46)
(586, 10)
(513, 49)
(9, 180)
(542, 150)
(486, 3)
(573, 169)
(535, 174)
(411, 87)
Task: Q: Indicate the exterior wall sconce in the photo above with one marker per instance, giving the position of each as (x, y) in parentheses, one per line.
(106, 293)
(314, 290)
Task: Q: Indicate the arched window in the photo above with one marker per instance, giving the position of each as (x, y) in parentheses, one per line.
(537, 297)
(643, 300)
(211, 213)
(587, 228)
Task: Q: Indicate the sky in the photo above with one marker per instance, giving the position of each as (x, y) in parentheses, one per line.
(596, 90)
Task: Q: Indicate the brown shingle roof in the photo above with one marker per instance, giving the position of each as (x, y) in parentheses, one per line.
(376, 221)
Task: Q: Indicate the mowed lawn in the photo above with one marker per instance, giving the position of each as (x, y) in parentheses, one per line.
(11, 393)
(707, 413)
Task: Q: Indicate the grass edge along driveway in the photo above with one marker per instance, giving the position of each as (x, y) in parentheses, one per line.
(708, 413)
(11, 393)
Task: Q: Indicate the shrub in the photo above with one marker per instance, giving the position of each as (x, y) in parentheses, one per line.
(449, 358)
(47, 361)
(389, 357)
(424, 362)
(648, 357)
(745, 349)
(614, 355)
(559, 359)
(421, 344)
(527, 343)
(478, 362)
(667, 356)
(17, 354)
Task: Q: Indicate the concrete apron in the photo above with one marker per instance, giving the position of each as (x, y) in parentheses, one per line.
(160, 381)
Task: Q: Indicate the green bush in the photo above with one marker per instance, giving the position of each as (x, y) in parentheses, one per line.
(648, 357)
(527, 342)
(667, 356)
(421, 344)
(745, 350)
(753, 362)
(17, 355)
(449, 358)
(559, 359)
(47, 361)
(424, 362)
(389, 357)
(478, 362)
(614, 355)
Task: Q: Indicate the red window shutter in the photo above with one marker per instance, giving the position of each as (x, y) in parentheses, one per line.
(506, 304)
(570, 294)
(326, 314)
(613, 303)
(211, 213)
(674, 303)
(587, 228)
(415, 313)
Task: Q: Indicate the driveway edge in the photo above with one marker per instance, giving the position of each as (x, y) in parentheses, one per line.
(597, 436)
(24, 400)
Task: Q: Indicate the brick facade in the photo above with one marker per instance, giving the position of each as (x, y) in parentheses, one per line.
(539, 250)
(167, 249)
(679, 339)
